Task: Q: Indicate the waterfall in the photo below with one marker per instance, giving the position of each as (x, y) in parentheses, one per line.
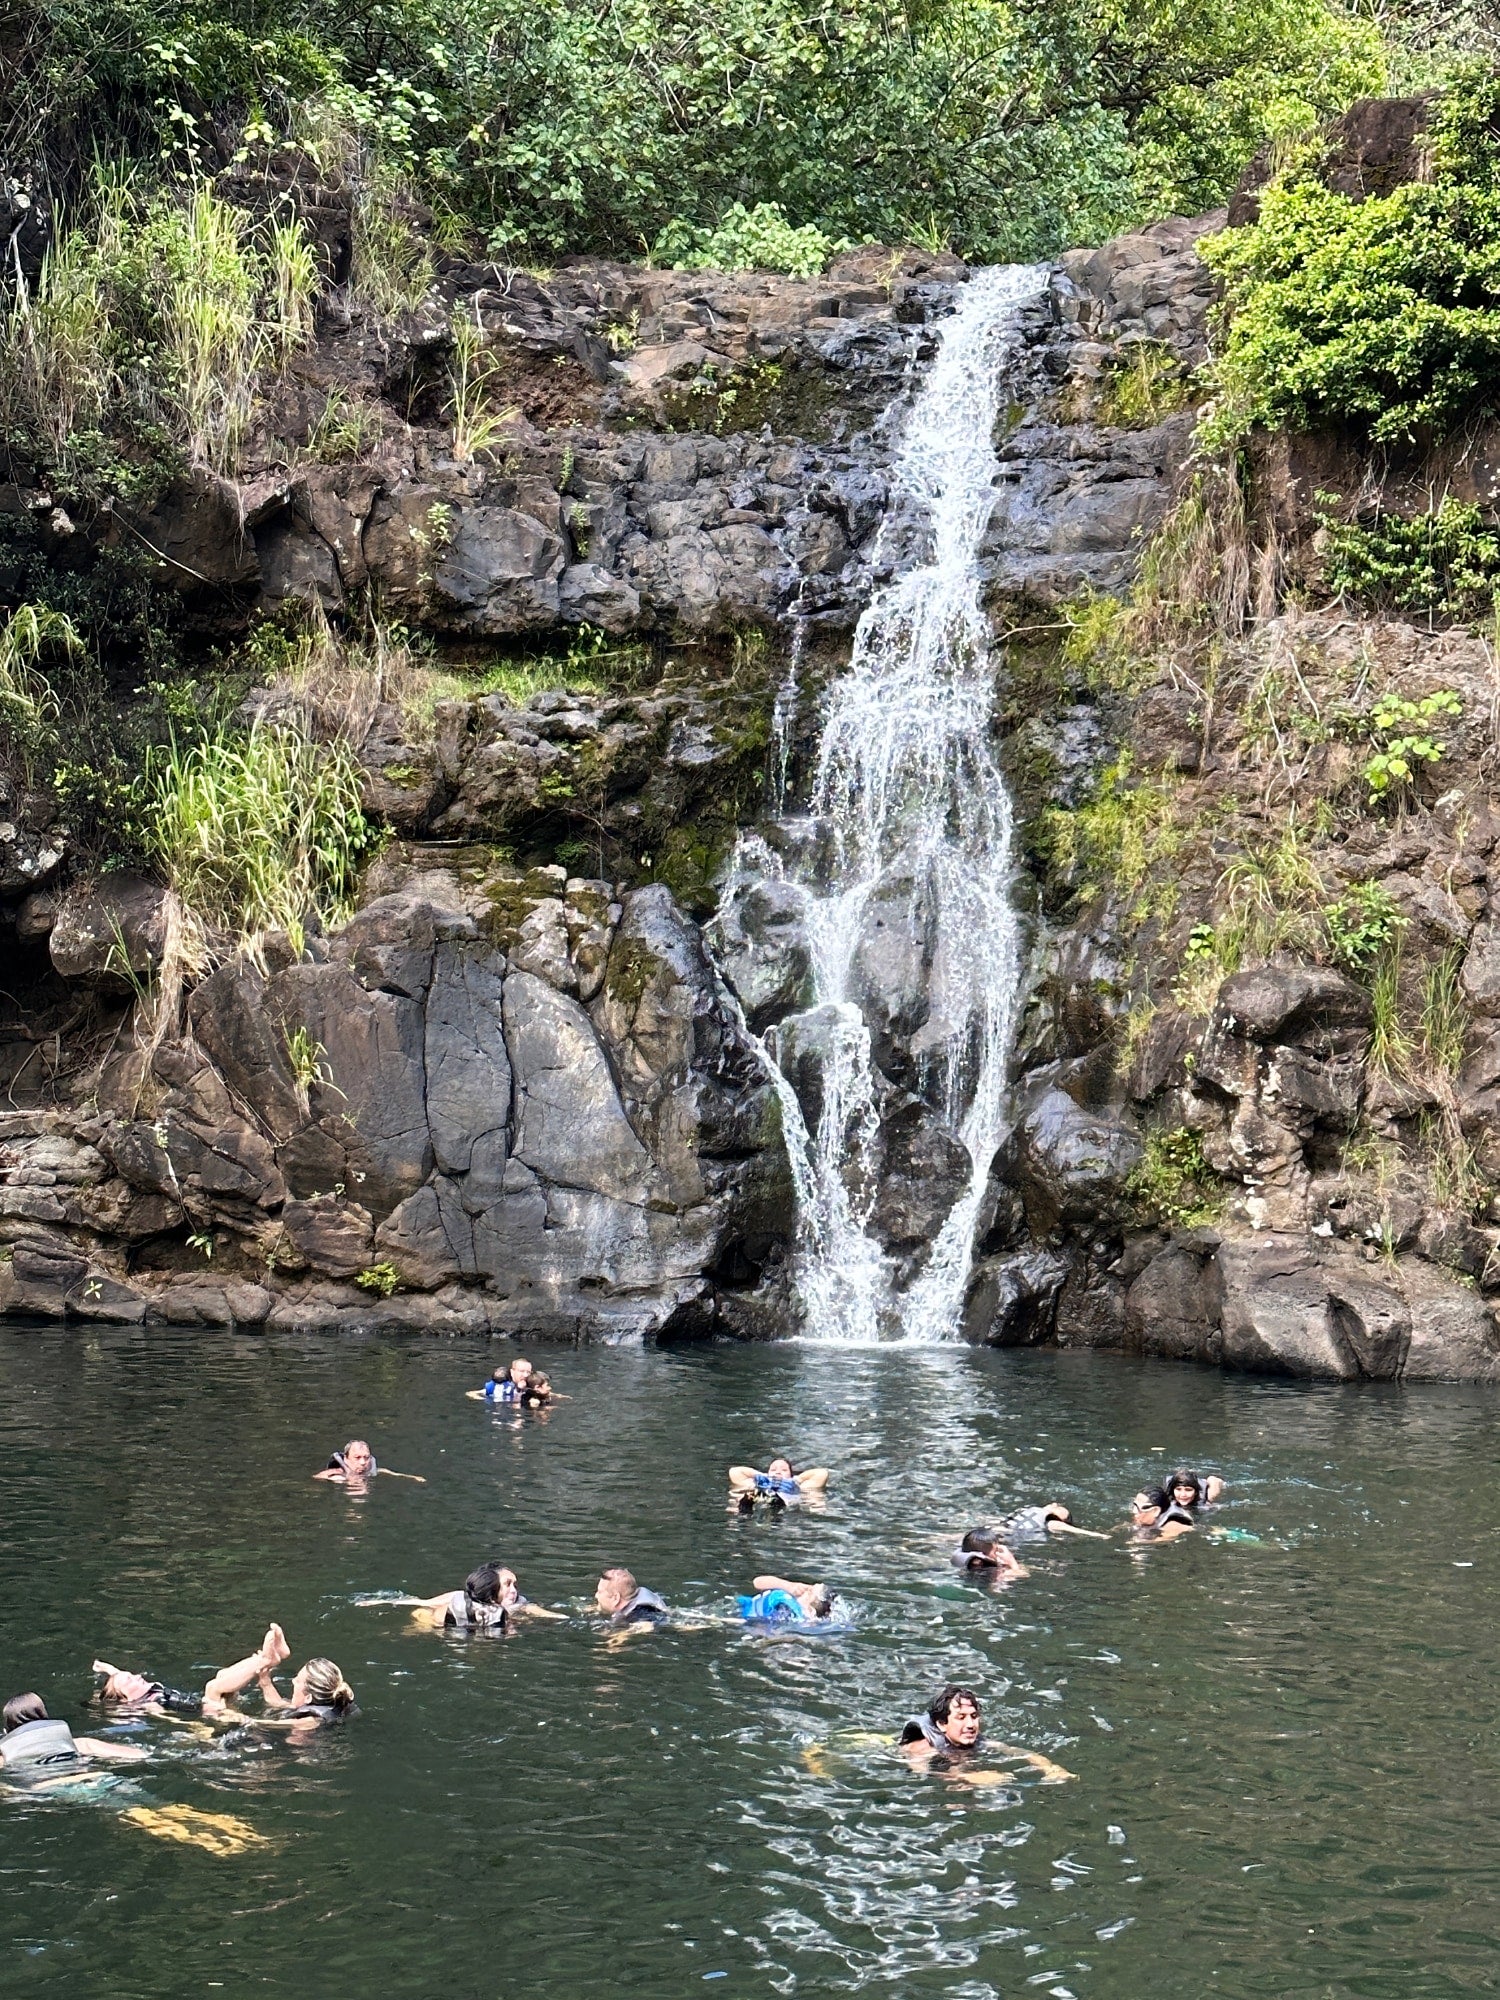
(908, 850)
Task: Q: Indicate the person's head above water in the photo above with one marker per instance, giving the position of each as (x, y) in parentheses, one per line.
(955, 1710)
(492, 1584)
(521, 1371)
(22, 1708)
(358, 1458)
(1184, 1489)
(615, 1589)
(1055, 1511)
(977, 1543)
(321, 1684)
(781, 1468)
(121, 1685)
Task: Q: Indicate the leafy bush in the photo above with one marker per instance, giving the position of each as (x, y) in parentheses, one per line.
(1174, 1182)
(747, 239)
(382, 1279)
(1401, 727)
(1446, 561)
(555, 124)
(1382, 313)
(1363, 926)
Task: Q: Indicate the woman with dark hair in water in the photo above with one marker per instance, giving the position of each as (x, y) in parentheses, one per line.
(1168, 1509)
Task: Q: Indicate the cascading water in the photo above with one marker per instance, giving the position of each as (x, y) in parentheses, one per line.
(913, 826)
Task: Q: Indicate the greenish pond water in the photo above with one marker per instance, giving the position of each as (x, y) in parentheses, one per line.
(1285, 1752)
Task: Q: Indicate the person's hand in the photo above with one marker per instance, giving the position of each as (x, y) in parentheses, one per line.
(274, 1648)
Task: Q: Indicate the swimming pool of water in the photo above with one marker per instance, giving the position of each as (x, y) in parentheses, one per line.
(1284, 1749)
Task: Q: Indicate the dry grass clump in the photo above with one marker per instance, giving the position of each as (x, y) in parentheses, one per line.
(165, 307)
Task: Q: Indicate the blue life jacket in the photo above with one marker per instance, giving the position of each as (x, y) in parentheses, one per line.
(788, 1488)
(502, 1392)
(773, 1607)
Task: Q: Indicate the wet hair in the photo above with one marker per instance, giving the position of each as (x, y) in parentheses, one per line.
(944, 1701)
(782, 1459)
(821, 1600)
(623, 1581)
(482, 1585)
(1055, 1511)
(23, 1708)
(1184, 1478)
(326, 1685)
(502, 1373)
(977, 1543)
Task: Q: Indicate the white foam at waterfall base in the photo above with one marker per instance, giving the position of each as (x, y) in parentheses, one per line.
(915, 814)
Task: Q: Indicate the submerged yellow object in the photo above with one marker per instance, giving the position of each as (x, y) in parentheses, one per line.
(215, 1833)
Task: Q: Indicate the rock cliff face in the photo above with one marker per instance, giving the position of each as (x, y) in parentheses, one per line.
(515, 1093)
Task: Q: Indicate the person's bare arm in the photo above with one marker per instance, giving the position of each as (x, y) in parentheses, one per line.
(330, 1472)
(1213, 1487)
(415, 1477)
(814, 1479)
(742, 1478)
(1051, 1773)
(538, 1611)
(111, 1753)
(778, 1583)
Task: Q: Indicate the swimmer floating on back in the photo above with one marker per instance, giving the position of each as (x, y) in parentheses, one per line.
(777, 1482)
(1037, 1524)
(355, 1467)
(778, 1601)
(319, 1691)
(136, 1694)
(42, 1753)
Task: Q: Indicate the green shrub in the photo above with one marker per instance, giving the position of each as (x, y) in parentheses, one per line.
(1445, 561)
(1380, 313)
(382, 1279)
(259, 831)
(1363, 926)
(1174, 1183)
(747, 239)
(1401, 729)
(559, 125)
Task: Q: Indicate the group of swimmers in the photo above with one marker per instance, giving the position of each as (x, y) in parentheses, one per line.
(39, 1750)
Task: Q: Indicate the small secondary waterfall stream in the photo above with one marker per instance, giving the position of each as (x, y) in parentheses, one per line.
(910, 848)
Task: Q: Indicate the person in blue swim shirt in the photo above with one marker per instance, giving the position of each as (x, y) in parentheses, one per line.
(777, 1482)
(779, 1601)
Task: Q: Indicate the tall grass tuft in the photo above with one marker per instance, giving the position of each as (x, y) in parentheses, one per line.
(477, 425)
(259, 831)
(177, 303)
(58, 368)
(1445, 1014)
